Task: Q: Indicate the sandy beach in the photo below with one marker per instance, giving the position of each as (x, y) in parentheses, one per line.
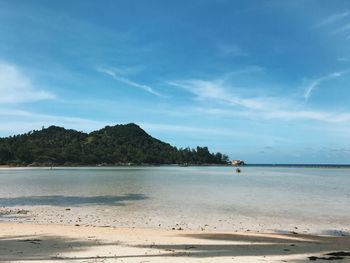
(155, 215)
(62, 243)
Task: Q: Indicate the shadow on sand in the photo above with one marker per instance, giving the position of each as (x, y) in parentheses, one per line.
(61, 200)
(238, 245)
(39, 248)
(205, 245)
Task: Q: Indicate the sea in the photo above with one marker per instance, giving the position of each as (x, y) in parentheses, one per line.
(259, 198)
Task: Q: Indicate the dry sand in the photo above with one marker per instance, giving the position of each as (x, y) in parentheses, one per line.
(129, 216)
(61, 243)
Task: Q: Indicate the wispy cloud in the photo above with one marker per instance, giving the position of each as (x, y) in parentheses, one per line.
(160, 127)
(332, 19)
(343, 59)
(123, 71)
(24, 121)
(230, 50)
(225, 100)
(128, 82)
(343, 29)
(208, 131)
(286, 113)
(219, 91)
(16, 87)
(317, 82)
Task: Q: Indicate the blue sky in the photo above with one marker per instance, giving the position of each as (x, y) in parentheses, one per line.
(263, 81)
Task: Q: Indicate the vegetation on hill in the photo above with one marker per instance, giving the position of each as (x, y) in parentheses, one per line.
(117, 145)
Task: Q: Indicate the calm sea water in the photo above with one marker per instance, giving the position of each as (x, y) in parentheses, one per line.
(196, 194)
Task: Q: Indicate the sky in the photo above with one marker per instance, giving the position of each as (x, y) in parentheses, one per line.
(262, 81)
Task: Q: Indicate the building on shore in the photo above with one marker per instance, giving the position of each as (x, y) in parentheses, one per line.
(237, 162)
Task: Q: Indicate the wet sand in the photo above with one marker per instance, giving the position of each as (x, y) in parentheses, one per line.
(62, 243)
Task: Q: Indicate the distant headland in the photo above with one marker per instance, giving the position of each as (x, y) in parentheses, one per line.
(126, 144)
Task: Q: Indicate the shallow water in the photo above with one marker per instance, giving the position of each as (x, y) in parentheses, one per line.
(260, 198)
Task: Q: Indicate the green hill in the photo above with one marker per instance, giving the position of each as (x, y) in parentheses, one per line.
(112, 145)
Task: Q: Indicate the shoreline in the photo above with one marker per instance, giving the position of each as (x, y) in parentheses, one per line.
(311, 166)
(4, 167)
(62, 243)
(112, 166)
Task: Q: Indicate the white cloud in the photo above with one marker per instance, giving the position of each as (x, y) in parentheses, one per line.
(159, 127)
(231, 50)
(15, 87)
(251, 69)
(24, 121)
(218, 91)
(316, 82)
(128, 82)
(122, 71)
(344, 28)
(284, 114)
(332, 19)
(228, 133)
(343, 59)
(223, 99)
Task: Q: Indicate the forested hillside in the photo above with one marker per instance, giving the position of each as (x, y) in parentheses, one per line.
(116, 145)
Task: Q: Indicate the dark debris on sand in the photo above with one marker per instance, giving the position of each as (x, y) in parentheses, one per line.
(331, 256)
